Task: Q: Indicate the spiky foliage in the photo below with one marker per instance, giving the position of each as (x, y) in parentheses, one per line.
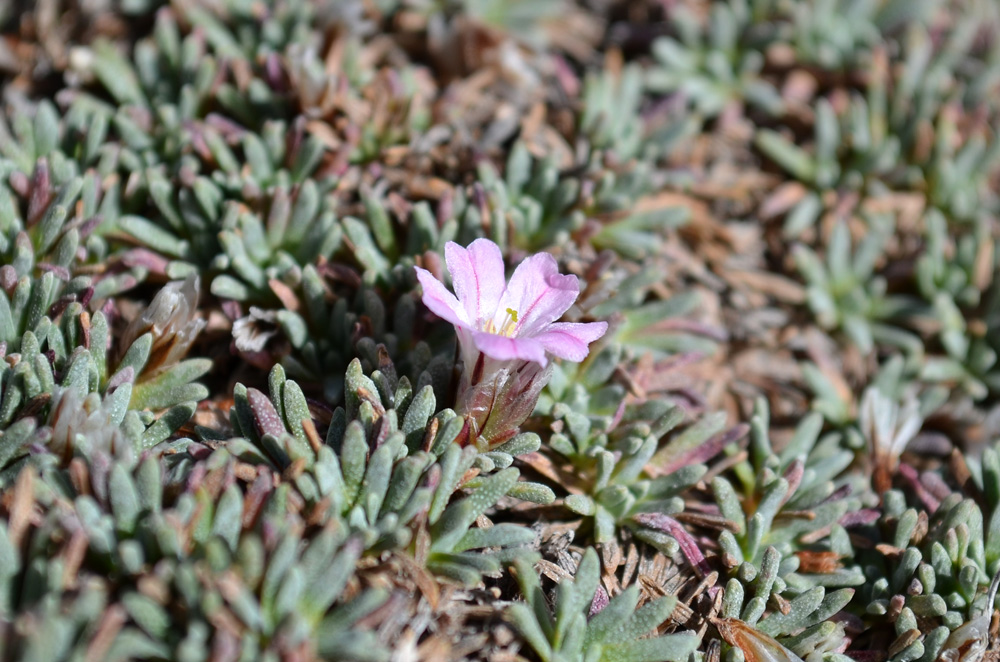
(63, 369)
(622, 464)
(388, 468)
(122, 561)
(227, 422)
(714, 63)
(268, 528)
(802, 625)
(845, 295)
(877, 142)
(576, 630)
(938, 557)
(807, 478)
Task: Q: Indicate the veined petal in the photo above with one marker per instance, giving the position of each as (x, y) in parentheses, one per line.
(570, 340)
(477, 273)
(539, 294)
(439, 300)
(503, 348)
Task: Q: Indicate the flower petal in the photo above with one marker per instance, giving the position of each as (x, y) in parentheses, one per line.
(539, 294)
(503, 348)
(477, 273)
(439, 300)
(569, 340)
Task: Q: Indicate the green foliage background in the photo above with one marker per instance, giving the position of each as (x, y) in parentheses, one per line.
(226, 419)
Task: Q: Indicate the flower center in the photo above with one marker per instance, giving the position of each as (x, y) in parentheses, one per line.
(507, 326)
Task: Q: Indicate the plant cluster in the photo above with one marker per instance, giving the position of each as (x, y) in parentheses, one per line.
(565, 331)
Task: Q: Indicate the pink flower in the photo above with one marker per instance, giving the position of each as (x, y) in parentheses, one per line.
(506, 332)
(509, 321)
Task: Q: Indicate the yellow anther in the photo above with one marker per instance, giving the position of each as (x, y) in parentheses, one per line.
(506, 328)
(509, 323)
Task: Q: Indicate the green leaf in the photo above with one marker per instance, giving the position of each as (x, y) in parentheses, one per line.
(786, 154)
(499, 535)
(459, 516)
(168, 423)
(172, 386)
(668, 648)
(521, 617)
(155, 237)
(365, 250)
(124, 496)
(116, 75)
